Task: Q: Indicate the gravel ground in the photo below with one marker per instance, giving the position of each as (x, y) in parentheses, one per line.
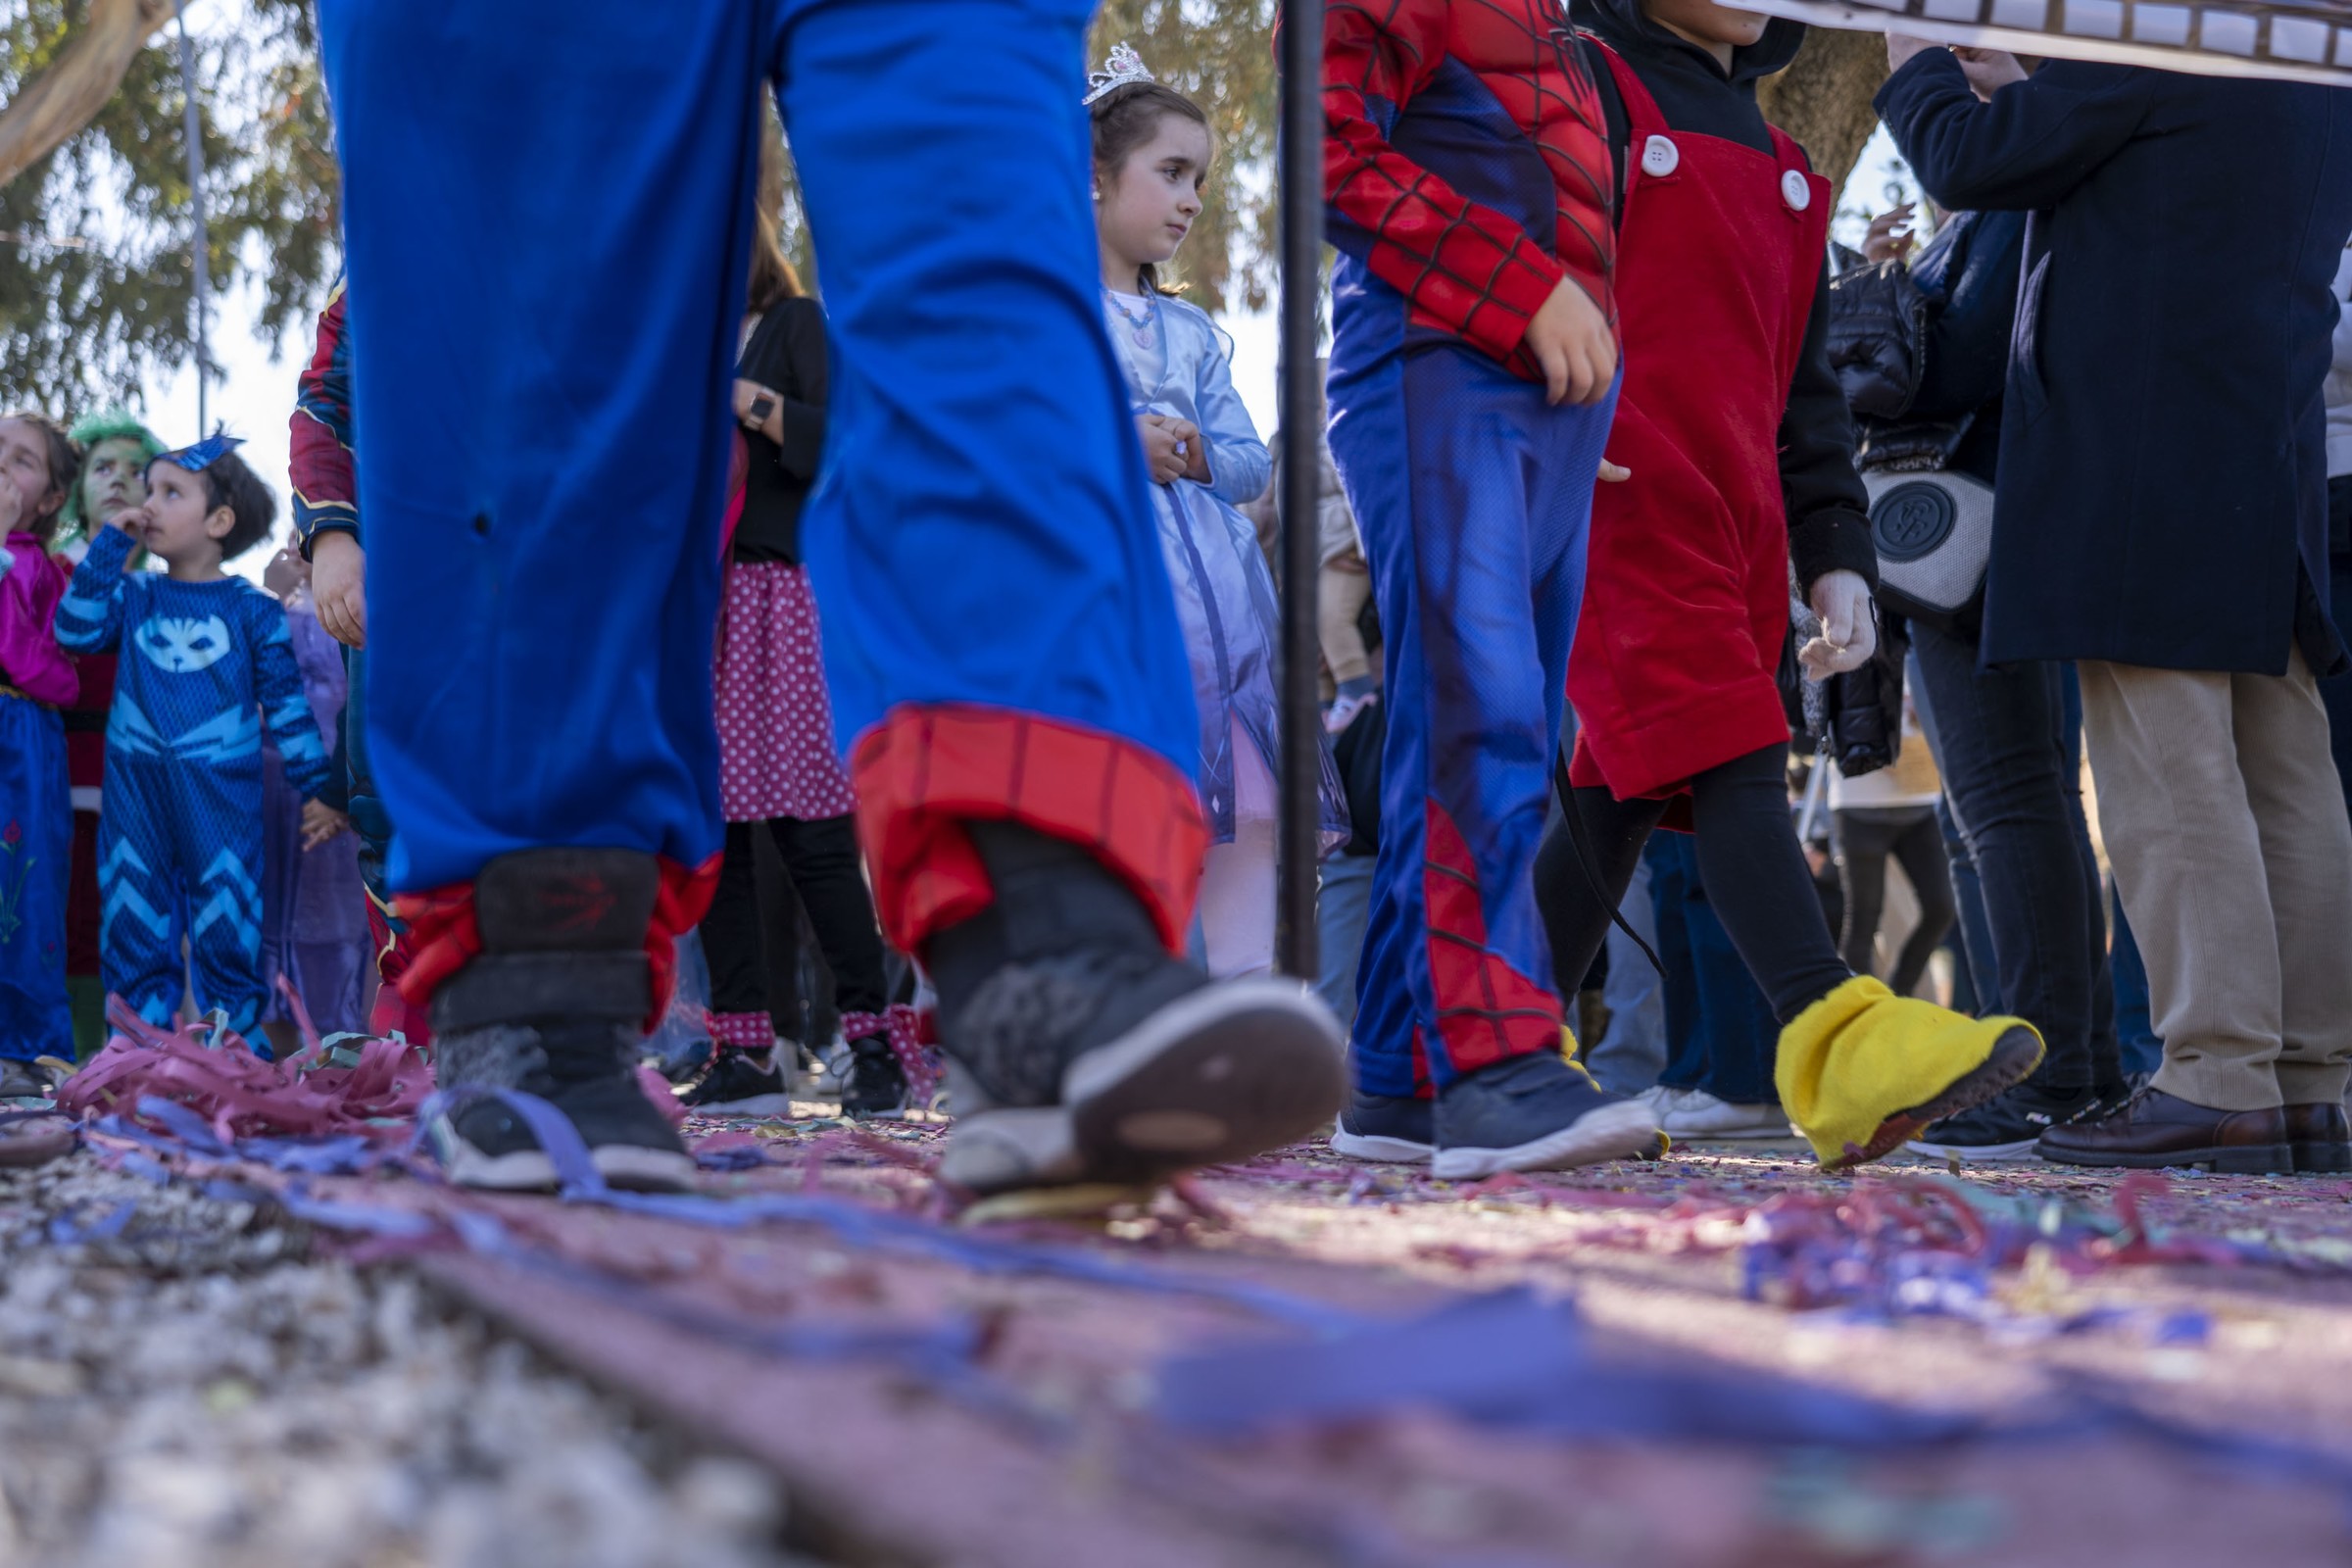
(197, 1389)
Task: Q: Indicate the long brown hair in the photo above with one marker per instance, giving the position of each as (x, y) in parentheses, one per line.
(773, 280)
(1126, 118)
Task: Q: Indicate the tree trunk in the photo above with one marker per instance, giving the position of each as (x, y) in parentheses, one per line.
(1823, 99)
(79, 83)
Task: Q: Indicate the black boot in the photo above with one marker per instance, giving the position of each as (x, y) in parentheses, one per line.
(1080, 1050)
(555, 1006)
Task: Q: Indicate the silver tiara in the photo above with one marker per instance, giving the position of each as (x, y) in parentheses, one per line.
(1123, 67)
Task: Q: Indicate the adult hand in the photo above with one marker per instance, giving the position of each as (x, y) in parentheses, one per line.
(1889, 237)
(1849, 633)
(339, 586)
(1160, 440)
(1988, 70)
(1900, 47)
(1613, 474)
(321, 822)
(1570, 338)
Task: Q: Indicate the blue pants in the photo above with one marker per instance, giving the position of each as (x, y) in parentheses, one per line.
(1720, 1033)
(1342, 911)
(36, 845)
(180, 859)
(1474, 496)
(548, 216)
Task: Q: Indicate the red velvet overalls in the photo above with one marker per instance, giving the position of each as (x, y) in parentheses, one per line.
(1687, 583)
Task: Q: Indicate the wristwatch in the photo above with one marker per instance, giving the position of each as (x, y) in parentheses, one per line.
(762, 407)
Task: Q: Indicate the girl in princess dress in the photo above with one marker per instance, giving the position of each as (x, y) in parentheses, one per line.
(1151, 148)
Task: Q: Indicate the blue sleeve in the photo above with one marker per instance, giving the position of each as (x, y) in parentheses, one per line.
(2035, 143)
(89, 618)
(1239, 466)
(285, 707)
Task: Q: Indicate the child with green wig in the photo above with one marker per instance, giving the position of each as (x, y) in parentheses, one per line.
(114, 480)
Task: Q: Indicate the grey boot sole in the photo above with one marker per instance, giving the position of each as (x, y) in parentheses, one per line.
(1217, 1075)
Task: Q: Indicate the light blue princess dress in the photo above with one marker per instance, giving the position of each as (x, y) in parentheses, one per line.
(1175, 362)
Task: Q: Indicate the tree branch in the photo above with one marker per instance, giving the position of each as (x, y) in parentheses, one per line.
(78, 84)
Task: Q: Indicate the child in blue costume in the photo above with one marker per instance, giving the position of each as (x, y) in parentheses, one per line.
(38, 466)
(1151, 155)
(547, 459)
(206, 664)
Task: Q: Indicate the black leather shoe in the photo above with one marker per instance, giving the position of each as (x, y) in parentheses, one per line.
(2320, 1136)
(2156, 1129)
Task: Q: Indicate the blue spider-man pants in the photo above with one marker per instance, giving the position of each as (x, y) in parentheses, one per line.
(1474, 496)
(548, 217)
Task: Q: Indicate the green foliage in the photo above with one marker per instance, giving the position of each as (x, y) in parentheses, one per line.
(1220, 54)
(95, 271)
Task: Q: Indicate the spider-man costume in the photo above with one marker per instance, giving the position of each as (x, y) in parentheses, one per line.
(326, 500)
(1467, 173)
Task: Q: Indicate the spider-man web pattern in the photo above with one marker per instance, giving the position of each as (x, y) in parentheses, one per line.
(1466, 161)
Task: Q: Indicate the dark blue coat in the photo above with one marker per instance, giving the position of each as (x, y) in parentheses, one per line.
(2162, 495)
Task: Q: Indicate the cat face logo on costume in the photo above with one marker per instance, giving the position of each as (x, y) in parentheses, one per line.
(181, 644)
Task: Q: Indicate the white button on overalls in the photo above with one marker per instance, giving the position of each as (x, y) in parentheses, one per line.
(1659, 157)
(1795, 190)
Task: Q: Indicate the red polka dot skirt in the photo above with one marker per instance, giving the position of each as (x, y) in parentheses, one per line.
(776, 756)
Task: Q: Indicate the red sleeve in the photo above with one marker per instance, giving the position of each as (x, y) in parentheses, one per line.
(1465, 266)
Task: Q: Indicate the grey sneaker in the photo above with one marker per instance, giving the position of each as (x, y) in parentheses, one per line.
(1080, 1050)
(554, 1007)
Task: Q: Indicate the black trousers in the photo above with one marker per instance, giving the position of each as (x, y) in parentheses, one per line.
(1755, 876)
(822, 860)
(1865, 838)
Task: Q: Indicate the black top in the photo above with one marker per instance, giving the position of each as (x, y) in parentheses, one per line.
(1828, 511)
(786, 354)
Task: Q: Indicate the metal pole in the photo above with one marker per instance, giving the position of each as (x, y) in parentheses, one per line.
(1300, 180)
(202, 242)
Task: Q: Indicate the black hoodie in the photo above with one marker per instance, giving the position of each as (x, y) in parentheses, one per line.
(1828, 511)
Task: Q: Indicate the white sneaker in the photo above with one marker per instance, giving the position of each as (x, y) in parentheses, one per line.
(1660, 1100)
(1699, 1114)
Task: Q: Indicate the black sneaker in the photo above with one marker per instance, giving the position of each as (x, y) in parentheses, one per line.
(2008, 1126)
(1079, 1051)
(877, 1086)
(554, 1007)
(740, 1083)
(1534, 1112)
(1385, 1129)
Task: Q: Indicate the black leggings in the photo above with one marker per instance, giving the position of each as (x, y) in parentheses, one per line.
(822, 858)
(1864, 838)
(1749, 861)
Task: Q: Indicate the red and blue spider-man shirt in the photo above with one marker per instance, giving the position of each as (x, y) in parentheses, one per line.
(326, 495)
(1466, 161)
